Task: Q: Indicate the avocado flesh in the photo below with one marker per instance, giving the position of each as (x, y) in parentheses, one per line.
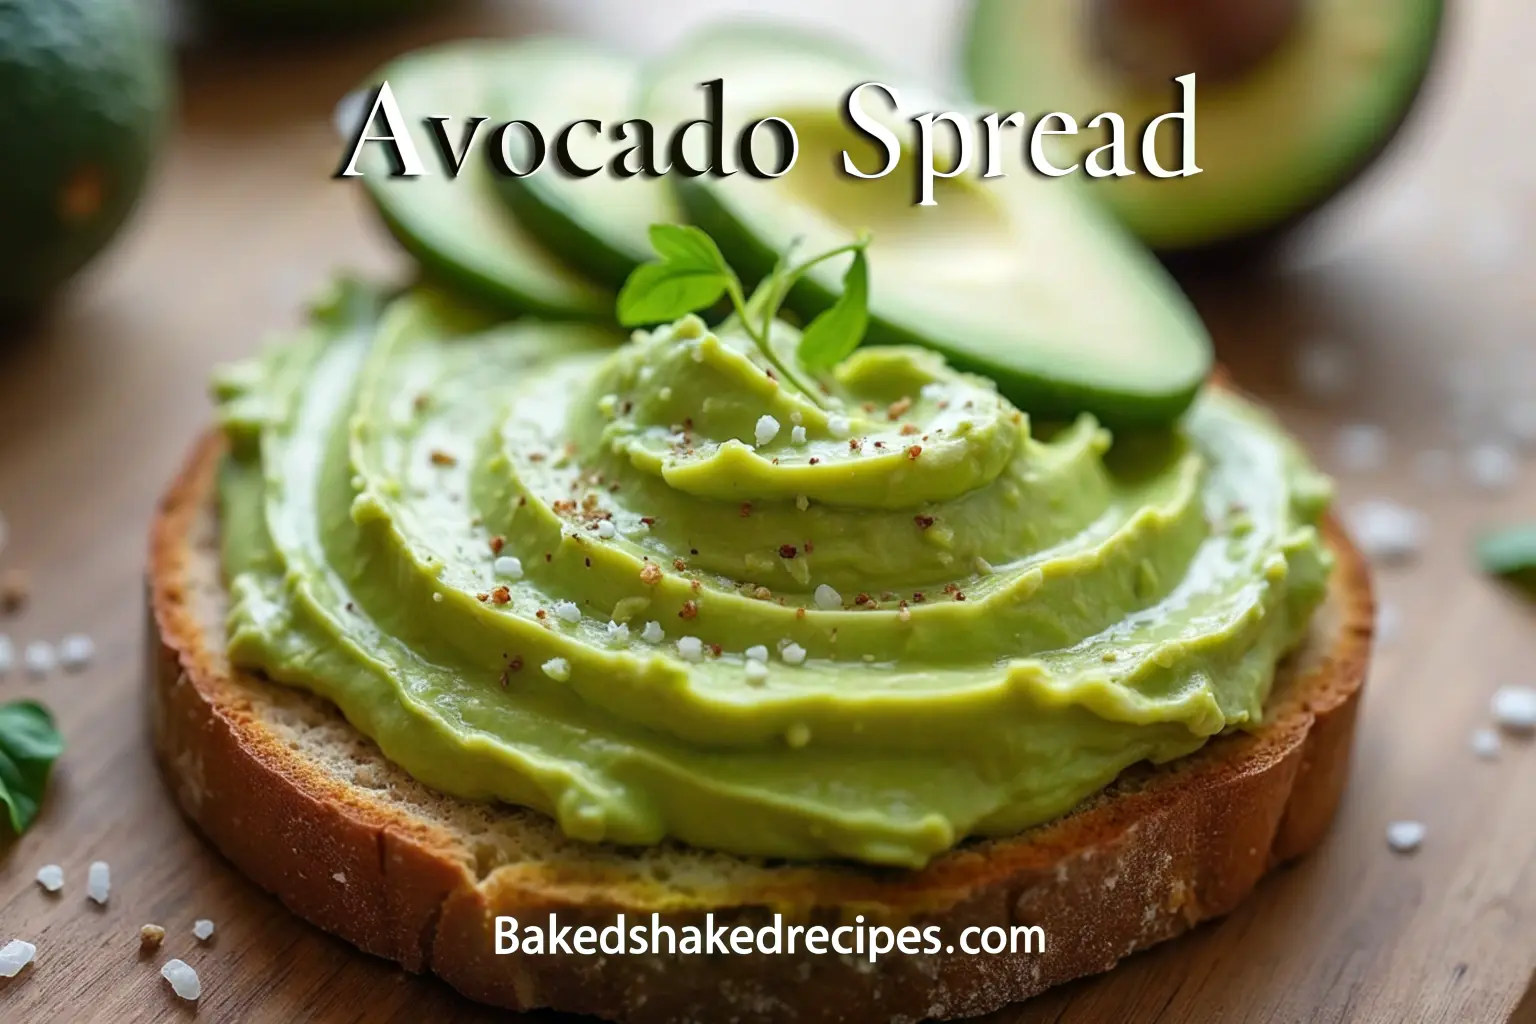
(598, 224)
(1017, 278)
(456, 227)
(1273, 143)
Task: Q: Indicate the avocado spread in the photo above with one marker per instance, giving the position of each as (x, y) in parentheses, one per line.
(643, 586)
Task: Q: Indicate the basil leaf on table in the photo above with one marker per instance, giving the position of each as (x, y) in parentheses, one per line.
(29, 744)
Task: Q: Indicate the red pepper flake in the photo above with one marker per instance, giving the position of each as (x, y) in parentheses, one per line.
(482, 598)
(854, 444)
(588, 561)
(497, 543)
(918, 597)
(788, 551)
(959, 596)
(501, 595)
(522, 500)
(679, 565)
(716, 650)
(650, 574)
(869, 406)
(746, 509)
(799, 613)
(690, 610)
(697, 585)
(536, 456)
(950, 588)
(549, 556)
(899, 408)
(539, 614)
(914, 451)
(613, 488)
(815, 461)
(908, 429)
(879, 444)
(688, 423)
(863, 598)
(923, 522)
(769, 372)
(810, 546)
(442, 458)
(648, 520)
(564, 506)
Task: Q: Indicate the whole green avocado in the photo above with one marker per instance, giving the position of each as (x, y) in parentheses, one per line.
(84, 90)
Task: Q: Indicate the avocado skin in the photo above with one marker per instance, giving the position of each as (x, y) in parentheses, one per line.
(565, 236)
(1252, 246)
(1044, 400)
(85, 88)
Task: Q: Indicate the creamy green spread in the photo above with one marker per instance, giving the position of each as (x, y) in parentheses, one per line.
(644, 587)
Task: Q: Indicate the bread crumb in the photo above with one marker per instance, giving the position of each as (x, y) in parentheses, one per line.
(150, 937)
(15, 589)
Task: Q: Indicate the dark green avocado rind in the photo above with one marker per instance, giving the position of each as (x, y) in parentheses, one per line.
(1032, 389)
(85, 95)
(544, 215)
(1249, 243)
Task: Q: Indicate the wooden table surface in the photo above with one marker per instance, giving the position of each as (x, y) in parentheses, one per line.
(1423, 280)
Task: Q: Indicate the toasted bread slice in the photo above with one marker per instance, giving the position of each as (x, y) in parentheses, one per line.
(309, 809)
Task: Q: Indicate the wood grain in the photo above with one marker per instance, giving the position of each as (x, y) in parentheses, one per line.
(1423, 277)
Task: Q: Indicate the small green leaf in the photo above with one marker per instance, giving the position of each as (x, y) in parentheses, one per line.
(29, 744)
(833, 335)
(684, 245)
(1511, 553)
(659, 292)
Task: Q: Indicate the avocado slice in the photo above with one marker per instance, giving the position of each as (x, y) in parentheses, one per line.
(1294, 97)
(599, 223)
(1016, 278)
(456, 228)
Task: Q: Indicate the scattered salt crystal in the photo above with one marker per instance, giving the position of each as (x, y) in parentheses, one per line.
(98, 881)
(793, 654)
(1405, 836)
(1387, 531)
(827, 599)
(839, 426)
(1492, 467)
(183, 979)
(757, 653)
(767, 429)
(1514, 708)
(557, 669)
(7, 656)
(1486, 743)
(1323, 369)
(797, 435)
(652, 633)
(933, 391)
(50, 877)
(618, 632)
(15, 955)
(202, 929)
(1360, 448)
(757, 672)
(690, 648)
(605, 530)
(76, 652)
(510, 567)
(39, 659)
(340, 877)
(568, 611)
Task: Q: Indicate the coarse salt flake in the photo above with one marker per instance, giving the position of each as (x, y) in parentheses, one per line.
(183, 979)
(1405, 836)
(766, 430)
(1514, 708)
(839, 426)
(202, 929)
(98, 881)
(567, 611)
(797, 435)
(690, 648)
(39, 659)
(511, 568)
(757, 653)
(76, 652)
(1360, 448)
(1486, 743)
(793, 654)
(757, 672)
(557, 669)
(652, 633)
(15, 955)
(1387, 531)
(618, 632)
(50, 877)
(605, 530)
(827, 599)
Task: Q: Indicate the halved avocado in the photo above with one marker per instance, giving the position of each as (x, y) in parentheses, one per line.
(1294, 97)
(598, 223)
(1016, 278)
(457, 228)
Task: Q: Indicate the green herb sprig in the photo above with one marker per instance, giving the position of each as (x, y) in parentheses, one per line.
(29, 744)
(690, 274)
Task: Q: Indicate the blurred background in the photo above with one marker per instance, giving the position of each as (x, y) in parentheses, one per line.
(1392, 330)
